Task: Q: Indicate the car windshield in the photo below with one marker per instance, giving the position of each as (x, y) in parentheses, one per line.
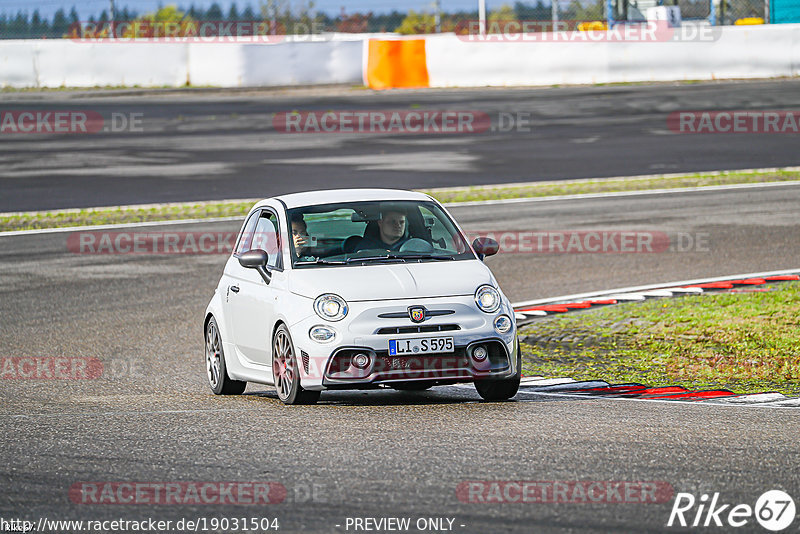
(358, 233)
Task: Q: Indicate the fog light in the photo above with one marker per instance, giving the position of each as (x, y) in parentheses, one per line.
(479, 353)
(360, 360)
(321, 334)
(502, 324)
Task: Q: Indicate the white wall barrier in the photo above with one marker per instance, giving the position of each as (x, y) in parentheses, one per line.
(290, 63)
(65, 63)
(728, 52)
(17, 64)
(732, 52)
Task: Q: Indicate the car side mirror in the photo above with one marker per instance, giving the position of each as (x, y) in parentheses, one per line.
(485, 246)
(256, 259)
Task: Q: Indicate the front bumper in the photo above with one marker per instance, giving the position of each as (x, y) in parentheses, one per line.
(367, 330)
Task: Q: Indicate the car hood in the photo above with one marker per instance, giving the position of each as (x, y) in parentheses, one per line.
(392, 281)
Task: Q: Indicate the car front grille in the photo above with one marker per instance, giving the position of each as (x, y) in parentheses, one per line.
(418, 329)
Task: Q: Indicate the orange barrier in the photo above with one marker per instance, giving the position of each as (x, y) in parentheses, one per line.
(400, 63)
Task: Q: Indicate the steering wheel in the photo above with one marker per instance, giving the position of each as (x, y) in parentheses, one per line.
(418, 245)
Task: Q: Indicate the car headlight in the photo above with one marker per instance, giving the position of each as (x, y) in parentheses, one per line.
(321, 334)
(330, 307)
(502, 324)
(487, 298)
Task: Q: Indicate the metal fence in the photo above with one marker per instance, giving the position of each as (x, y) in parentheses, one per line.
(24, 21)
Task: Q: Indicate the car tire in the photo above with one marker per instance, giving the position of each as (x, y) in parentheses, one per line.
(286, 371)
(216, 370)
(499, 390)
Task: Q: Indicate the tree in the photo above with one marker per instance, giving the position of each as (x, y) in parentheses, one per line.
(579, 11)
(214, 12)
(60, 26)
(18, 28)
(532, 12)
(506, 13)
(417, 23)
(233, 13)
(355, 23)
(284, 19)
(248, 13)
(169, 13)
(154, 24)
(499, 20)
(126, 14)
(38, 28)
(384, 22)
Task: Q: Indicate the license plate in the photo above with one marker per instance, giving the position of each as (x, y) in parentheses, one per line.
(423, 345)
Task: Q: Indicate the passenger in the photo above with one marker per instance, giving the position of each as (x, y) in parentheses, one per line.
(302, 241)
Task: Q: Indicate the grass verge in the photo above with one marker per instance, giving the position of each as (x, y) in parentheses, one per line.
(122, 215)
(610, 185)
(195, 210)
(746, 342)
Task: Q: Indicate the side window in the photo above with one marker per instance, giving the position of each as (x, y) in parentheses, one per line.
(246, 238)
(266, 238)
(261, 231)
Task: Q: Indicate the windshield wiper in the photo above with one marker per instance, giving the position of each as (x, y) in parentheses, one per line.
(390, 257)
(402, 257)
(424, 257)
(320, 261)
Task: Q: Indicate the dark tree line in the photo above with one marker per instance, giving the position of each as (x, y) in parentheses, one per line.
(24, 25)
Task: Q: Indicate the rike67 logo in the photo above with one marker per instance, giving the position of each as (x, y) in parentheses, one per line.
(774, 510)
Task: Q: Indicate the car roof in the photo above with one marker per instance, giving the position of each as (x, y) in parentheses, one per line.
(311, 198)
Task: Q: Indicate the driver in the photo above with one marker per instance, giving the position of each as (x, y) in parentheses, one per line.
(392, 232)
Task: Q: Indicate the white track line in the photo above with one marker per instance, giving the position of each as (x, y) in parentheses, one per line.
(448, 204)
(709, 402)
(671, 286)
(121, 225)
(634, 178)
(585, 196)
(130, 412)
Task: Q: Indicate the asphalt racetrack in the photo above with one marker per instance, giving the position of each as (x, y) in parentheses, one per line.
(203, 145)
(150, 418)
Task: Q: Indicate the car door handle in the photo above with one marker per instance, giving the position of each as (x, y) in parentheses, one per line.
(235, 289)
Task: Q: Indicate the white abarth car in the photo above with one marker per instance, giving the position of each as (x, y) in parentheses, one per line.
(357, 289)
